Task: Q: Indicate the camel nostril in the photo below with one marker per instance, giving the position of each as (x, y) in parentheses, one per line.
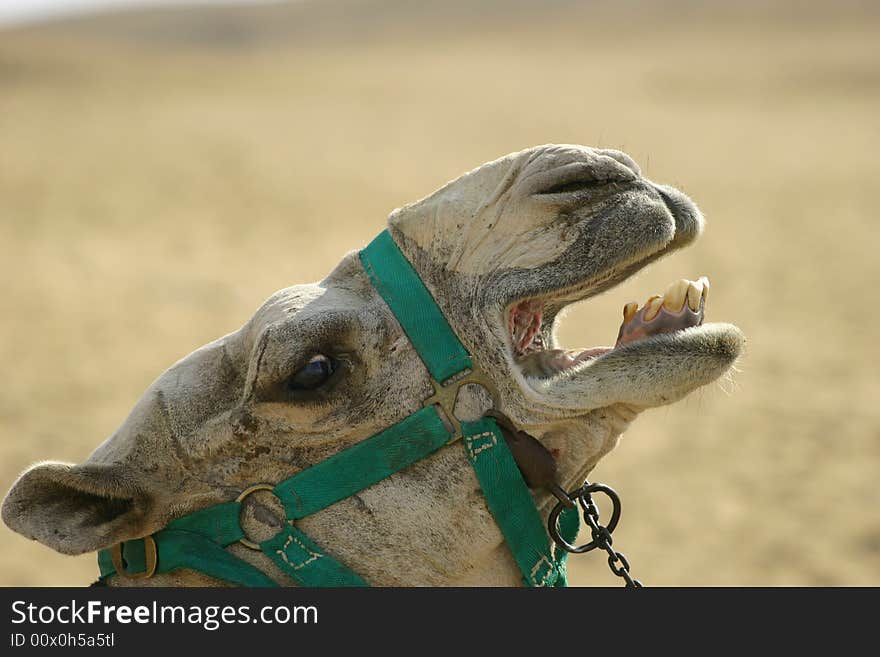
(688, 218)
(668, 196)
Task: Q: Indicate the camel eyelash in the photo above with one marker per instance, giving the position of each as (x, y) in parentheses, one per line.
(316, 378)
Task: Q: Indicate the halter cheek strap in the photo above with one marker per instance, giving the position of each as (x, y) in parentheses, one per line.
(198, 541)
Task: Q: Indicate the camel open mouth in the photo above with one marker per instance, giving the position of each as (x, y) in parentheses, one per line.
(681, 306)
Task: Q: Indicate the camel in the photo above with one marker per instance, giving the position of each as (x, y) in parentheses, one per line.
(321, 367)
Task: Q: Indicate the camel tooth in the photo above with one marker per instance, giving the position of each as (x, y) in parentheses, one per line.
(694, 295)
(674, 295)
(652, 307)
(705, 293)
(629, 311)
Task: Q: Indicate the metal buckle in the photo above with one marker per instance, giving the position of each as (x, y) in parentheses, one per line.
(150, 556)
(244, 540)
(445, 397)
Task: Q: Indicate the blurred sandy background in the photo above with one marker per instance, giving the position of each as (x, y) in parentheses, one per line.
(162, 173)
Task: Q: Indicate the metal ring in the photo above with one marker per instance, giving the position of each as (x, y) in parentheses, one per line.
(151, 559)
(553, 527)
(444, 398)
(582, 494)
(244, 540)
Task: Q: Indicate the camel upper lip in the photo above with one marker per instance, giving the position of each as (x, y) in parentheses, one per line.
(531, 320)
(688, 219)
(687, 224)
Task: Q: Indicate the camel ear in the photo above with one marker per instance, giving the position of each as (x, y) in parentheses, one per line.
(75, 508)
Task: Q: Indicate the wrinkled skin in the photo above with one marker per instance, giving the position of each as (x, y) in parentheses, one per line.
(548, 226)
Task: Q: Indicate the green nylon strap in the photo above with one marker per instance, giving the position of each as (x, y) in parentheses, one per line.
(105, 564)
(293, 552)
(208, 530)
(182, 549)
(569, 524)
(511, 503)
(414, 307)
(305, 562)
(363, 464)
(218, 523)
(197, 541)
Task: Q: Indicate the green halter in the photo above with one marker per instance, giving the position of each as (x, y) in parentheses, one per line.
(197, 541)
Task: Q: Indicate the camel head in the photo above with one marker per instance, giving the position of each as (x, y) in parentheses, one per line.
(320, 367)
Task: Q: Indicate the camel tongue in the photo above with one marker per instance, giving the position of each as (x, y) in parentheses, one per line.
(547, 362)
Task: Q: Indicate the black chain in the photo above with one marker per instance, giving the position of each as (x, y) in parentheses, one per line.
(538, 468)
(601, 535)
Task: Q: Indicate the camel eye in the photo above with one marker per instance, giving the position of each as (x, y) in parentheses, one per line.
(313, 374)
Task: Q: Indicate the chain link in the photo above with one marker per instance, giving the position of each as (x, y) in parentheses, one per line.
(600, 534)
(602, 537)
